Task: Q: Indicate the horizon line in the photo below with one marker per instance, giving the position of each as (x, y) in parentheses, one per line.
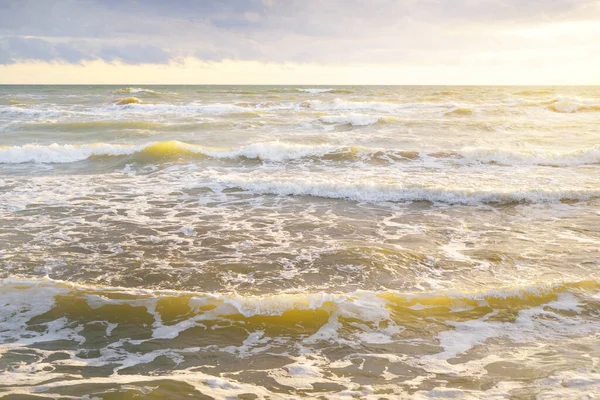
(294, 84)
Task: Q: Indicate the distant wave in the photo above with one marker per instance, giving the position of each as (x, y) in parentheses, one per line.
(17, 102)
(532, 157)
(307, 105)
(343, 105)
(375, 192)
(321, 90)
(354, 119)
(278, 151)
(56, 154)
(118, 125)
(558, 104)
(571, 106)
(325, 90)
(281, 151)
(135, 105)
(533, 92)
(128, 100)
(357, 119)
(189, 108)
(315, 90)
(84, 126)
(136, 91)
(68, 153)
(461, 111)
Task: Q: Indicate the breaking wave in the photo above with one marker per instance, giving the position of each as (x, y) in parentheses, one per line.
(171, 305)
(353, 119)
(136, 91)
(118, 331)
(533, 92)
(68, 153)
(376, 192)
(277, 151)
(461, 111)
(128, 100)
(532, 157)
(315, 90)
(190, 108)
(559, 104)
(570, 107)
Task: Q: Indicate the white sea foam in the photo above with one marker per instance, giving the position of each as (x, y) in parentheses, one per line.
(540, 321)
(268, 151)
(317, 105)
(569, 105)
(277, 151)
(136, 90)
(352, 119)
(185, 109)
(56, 153)
(558, 104)
(575, 384)
(370, 191)
(43, 112)
(532, 157)
(343, 105)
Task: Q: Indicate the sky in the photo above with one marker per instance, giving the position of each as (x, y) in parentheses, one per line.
(547, 42)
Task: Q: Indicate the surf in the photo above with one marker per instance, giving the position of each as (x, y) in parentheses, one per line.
(166, 307)
(278, 151)
(370, 190)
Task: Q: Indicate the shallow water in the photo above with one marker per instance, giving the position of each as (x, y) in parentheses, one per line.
(299, 242)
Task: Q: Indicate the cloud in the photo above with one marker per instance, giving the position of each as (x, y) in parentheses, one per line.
(133, 54)
(16, 49)
(31, 49)
(301, 31)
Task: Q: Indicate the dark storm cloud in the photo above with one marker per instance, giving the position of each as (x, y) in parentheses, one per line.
(334, 31)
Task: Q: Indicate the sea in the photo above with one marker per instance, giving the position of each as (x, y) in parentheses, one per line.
(299, 242)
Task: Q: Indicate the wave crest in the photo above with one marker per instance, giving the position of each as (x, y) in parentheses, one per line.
(461, 111)
(288, 307)
(281, 151)
(352, 119)
(127, 100)
(570, 107)
(315, 90)
(136, 91)
(377, 192)
(532, 157)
